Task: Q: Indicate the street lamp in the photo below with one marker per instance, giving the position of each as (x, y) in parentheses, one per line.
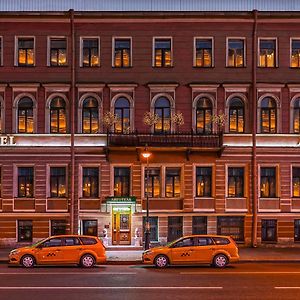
(146, 154)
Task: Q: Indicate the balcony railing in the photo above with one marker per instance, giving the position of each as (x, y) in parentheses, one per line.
(182, 139)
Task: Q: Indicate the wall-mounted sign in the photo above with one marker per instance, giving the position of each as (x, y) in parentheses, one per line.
(7, 140)
(131, 199)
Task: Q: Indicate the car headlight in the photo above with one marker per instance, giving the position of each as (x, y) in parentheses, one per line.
(147, 252)
(15, 251)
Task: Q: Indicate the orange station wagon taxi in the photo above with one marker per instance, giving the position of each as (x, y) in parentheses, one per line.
(195, 249)
(82, 250)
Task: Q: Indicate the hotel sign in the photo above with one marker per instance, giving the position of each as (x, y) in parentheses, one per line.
(7, 140)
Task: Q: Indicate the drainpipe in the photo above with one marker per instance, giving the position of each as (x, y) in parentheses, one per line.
(254, 131)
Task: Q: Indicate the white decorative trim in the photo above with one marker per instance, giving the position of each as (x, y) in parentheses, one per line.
(17, 37)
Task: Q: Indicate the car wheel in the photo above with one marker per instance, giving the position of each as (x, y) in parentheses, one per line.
(220, 261)
(27, 261)
(87, 261)
(161, 261)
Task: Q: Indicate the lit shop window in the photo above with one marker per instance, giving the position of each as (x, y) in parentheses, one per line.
(296, 116)
(25, 115)
(296, 182)
(268, 116)
(90, 227)
(236, 53)
(172, 182)
(90, 116)
(163, 109)
(25, 182)
(268, 182)
(122, 181)
(203, 53)
(24, 231)
(26, 52)
(236, 116)
(122, 110)
(90, 52)
(58, 116)
(58, 227)
(162, 53)
(122, 49)
(203, 116)
(235, 182)
(295, 53)
(90, 182)
(154, 187)
(57, 182)
(267, 53)
(58, 52)
(203, 182)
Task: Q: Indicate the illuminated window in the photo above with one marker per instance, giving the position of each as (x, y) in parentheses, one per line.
(236, 53)
(162, 53)
(25, 116)
(203, 182)
(163, 109)
(267, 53)
(296, 182)
(90, 182)
(268, 116)
(90, 227)
(236, 116)
(153, 183)
(203, 53)
(122, 110)
(24, 231)
(235, 182)
(58, 182)
(26, 52)
(268, 182)
(172, 182)
(90, 52)
(58, 116)
(25, 182)
(203, 116)
(90, 118)
(58, 227)
(58, 52)
(122, 49)
(296, 116)
(295, 53)
(122, 181)
(199, 225)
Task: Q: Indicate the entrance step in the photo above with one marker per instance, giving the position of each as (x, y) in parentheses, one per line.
(123, 248)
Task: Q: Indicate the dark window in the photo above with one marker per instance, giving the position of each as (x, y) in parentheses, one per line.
(296, 116)
(203, 53)
(268, 116)
(90, 182)
(203, 182)
(122, 181)
(231, 226)
(90, 227)
(199, 225)
(122, 110)
(235, 53)
(122, 53)
(163, 109)
(25, 115)
(25, 182)
(163, 54)
(203, 116)
(153, 183)
(90, 118)
(235, 182)
(24, 231)
(295, 54)
(0, 182)
(172, 182)
(297, 230)
(58, 116)
(221, 241)
(187, 242)
(54, 242)
(71, 241)
(269, 230)
(58, 52)
(58, 227)
(236, 116)
(88, 241)
(267, 53)
(25, 52)
(58, 182)
(90, 52)
(296, 182)
(1, 52)
(175, 225)
(268, 182)
(153, 228)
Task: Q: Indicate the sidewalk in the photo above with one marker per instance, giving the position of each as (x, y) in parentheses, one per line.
(246, 255)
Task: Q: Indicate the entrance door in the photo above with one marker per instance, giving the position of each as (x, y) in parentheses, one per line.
(121, 226)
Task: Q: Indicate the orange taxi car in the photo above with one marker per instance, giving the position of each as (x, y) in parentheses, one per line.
(194, 249)
(82, 250)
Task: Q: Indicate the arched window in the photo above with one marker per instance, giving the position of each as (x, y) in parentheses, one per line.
(122, 110)
(203, 116)
(58, 116)
(163, 110)
(25, 115)
(296, 116)
(268, 115)
(90, 121)
(236, 115)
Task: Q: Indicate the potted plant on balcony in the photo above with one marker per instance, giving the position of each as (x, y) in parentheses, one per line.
(150, 118)
(177, 120)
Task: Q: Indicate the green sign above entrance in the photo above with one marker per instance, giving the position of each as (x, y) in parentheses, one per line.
(131, 199)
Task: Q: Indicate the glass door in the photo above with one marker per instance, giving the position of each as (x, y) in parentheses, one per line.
(121, 226)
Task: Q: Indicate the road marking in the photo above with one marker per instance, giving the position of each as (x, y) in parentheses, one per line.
(237, 273)
(287, 287)
(69, 273)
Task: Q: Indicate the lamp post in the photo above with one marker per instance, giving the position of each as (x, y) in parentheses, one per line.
(146, 154)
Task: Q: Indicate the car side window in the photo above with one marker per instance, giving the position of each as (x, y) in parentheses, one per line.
(221, 241)
(71, 241)
(188, 242)
(55, 242)
(201, 241)
(88, 241)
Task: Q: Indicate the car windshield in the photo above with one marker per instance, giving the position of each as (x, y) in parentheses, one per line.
(38, 243)
(170, 244)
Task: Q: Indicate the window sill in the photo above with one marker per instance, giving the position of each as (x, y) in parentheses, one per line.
(163, 198)
(64, 66)
(269, 198)
(261, 67)
(198, 67)
(163, 67)
(234, 67)
(117, 68)
(204, 198)
(89, 67)
(236, 198)
(24, 198)
(89, 198)
(25, 66)
(57, 198)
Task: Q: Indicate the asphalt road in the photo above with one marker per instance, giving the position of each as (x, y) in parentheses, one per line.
(240, 281)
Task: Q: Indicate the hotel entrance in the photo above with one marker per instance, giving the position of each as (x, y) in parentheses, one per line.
(121, 234)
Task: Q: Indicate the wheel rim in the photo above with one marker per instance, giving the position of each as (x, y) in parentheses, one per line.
(27, 261)
(221, 261)
(161, 261)
(87, 261)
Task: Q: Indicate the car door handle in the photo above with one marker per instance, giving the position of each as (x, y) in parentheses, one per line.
(57, 250)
